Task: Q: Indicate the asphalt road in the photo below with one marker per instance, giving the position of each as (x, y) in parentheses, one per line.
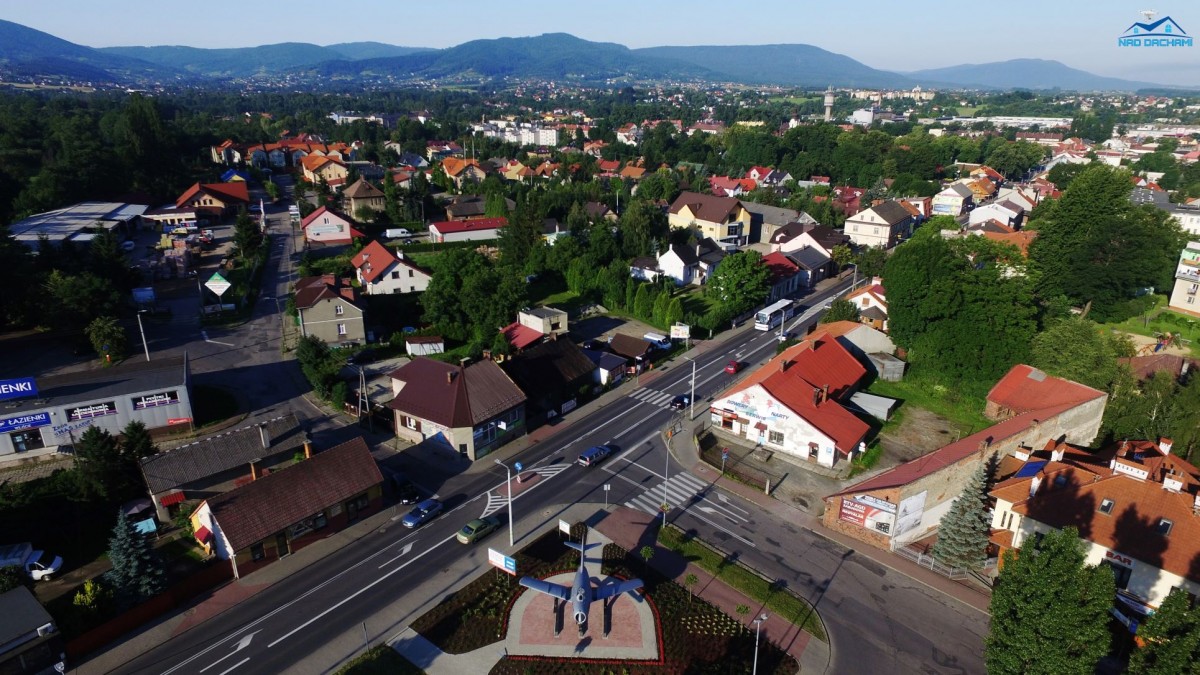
(878, 620)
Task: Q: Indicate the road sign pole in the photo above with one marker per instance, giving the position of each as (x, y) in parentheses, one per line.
(607, 487)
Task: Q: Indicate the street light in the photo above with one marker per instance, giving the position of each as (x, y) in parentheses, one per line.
(692, 399)
(757, 628)
(508, 476)
(141, 330)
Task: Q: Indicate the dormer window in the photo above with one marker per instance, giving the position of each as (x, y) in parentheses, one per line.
(1164, 527)
(1106, 506)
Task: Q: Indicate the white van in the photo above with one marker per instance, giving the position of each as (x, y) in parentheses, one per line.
(397, 233)
(660, 341)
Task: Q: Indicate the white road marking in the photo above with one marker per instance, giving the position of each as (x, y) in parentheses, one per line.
(231, 668)
(404, 551)
(241, 644)
(360, 591)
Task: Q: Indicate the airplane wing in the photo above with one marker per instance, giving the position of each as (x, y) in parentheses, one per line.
(558, 591)
(615, 589)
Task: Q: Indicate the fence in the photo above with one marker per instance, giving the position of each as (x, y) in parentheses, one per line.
(929, 562)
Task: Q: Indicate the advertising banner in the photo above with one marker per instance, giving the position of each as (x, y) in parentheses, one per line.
(154, 400)
(858, 513)
(93, 410)
(24, 422)
(18, 388)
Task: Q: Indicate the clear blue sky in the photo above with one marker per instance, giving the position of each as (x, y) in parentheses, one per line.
(886, 34)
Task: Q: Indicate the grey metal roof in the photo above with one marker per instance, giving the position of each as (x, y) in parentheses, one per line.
(808, 258)
(216, 454)
(128, 378)
(774, 215)
(892, 212)
(20, 615)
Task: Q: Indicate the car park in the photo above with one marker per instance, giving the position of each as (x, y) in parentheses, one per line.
(478, 529)
(594, 455)
(422, 513)
(680, 402)
(733, 367)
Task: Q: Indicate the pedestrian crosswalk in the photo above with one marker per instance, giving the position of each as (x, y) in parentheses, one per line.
(497, 499)
(653, 397)
(681, 488)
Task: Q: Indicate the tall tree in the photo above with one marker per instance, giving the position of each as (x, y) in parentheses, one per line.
(840, 310)
(1170, 638)
(643, 228)
(740, 282)
(1077, 349)
(137, 573)
(103, 471)
(1049, 610)
(962, 538)
(136, 442)
(108, 338)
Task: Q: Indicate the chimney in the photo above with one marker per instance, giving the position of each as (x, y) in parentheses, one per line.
(399, 255)
(1034, 485)
(307, 450)
(783, 365)
(254, 468)
(816, 397)
(1164, 445)
(264, 435)
(450, 377)
(1056, 454)
(824, 393)
(329, 280)
(697, 249)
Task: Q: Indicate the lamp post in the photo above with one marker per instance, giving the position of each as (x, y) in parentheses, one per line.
(141, 330)
(757, 629)
(508, 478)
(692, 398)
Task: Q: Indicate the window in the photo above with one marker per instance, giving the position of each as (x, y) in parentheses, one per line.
(1164, 527)
(339, 310)
(24, 441)
(1191, 300)
(410, 274)
(412, 423)
(341, 329)
(775, 437)
(1106, 507)
(257, 552)
(396, 274)
(355, 505)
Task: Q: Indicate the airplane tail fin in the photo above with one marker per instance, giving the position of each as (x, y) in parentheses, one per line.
(583, 546)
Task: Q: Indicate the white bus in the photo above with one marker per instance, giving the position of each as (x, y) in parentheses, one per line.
(770, 316)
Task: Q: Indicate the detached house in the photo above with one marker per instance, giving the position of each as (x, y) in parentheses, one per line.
(687, 264)
(792, 404)
(362, 195)
(326, 227)
(721, 219)
(461, 171)
(381, 271)
(330, 310)
(800, 235)
(1187, 281)
(470, 409)
(953, 200)
(319, 168)
(223, 199)
(871, 301)
(883, 225)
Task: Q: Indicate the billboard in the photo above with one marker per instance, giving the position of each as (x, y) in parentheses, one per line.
(94, 410)
(155, 400)
(18, 388)
(24, 422)
(502, 562)
(869, 517)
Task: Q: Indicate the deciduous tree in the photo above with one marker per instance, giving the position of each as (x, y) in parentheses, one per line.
(840, 310)
(1170, 638)
(1077, 349)
(740, 282)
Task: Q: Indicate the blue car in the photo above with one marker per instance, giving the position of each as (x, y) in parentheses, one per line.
(422, 513)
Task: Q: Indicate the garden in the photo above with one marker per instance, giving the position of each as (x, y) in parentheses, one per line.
(696, 636)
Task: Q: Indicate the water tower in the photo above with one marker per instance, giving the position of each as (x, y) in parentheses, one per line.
(829, 104)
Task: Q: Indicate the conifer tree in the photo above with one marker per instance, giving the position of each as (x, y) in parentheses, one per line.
(137, 573)
(963, 533)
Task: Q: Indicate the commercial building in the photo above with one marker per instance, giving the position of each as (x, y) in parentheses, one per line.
(79, 223)
(154, 393)
(480, 229)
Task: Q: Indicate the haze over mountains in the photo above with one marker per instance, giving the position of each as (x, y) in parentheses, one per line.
(28, 52)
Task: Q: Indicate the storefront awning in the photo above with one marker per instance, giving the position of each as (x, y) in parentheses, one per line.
(203, 534)
(760, 426)
(171, 499)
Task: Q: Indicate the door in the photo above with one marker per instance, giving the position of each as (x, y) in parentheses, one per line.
(281, 544)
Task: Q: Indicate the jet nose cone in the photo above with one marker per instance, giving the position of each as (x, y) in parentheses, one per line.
(580, 618)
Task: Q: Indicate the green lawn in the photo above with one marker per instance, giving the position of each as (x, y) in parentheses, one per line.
(1160, 320)
(966, 111)
(381, 660)
(960, 403)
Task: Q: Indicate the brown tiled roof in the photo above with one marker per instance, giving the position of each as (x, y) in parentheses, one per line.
(549, 367)
(1144, 367)
(706, 207)
(628, 346)
(361, 189)
(453, 396)
(249, 514)
(311, 290)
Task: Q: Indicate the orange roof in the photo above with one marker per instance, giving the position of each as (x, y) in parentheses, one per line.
(315, 162)
(373, 261)
(1021, 239)
(838, 328)
(224, 192)
(1025, 388)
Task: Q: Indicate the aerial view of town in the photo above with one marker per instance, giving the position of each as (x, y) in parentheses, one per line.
(627, 339)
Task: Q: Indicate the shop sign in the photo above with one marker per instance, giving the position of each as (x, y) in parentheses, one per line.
(19, 388)
(24, 422)
(154, 400)
(94, 410)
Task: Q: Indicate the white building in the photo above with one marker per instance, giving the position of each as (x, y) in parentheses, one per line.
(1187, 280)
(883, 225)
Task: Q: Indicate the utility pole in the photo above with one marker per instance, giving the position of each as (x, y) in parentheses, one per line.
(141, 330)
(692, 398)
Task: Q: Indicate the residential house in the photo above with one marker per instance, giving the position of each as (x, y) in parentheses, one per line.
(1187, 281)
(326, 227)
(1133, 503)
(633, 173)
(317, 168)
(552, 375)
(981, 189)
(232, 175)
(217, 464)
(1007, 212)
(480, 229)
(597, 211)
(634, 350)
(471, 409)
(923, 206)
(883, 225)
(552, 231)
(690, 264)
(608, 167)
(278, 514)
(799, 235)
(223, 199)
(439, 150)
(724, 186)
(905, 503)
(630, 134)
(706, 127)
(644, 268)
(609, 367)
(1145, 366)
(382, 271)
(721, 219)
(1021, 239)
(470, 207)
(330, 310)
(796, 271)
(534, 325)
(793, 404)
(765, 220)
(460, 171)
(361, 195)
(953, 200)
(30, 641)
(848, 200)
(871, 301)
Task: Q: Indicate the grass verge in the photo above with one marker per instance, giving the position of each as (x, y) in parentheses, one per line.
(380, 660)
(960, 403)
(779, 600)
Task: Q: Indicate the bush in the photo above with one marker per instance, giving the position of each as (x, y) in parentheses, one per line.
(11, 577)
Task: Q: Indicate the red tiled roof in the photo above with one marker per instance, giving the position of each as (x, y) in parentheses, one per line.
(451, 395)
(780, 266)
(373, 261)
(519, 335)
(225, 192)
(1025, 388)
(251, 513)
(453, 226)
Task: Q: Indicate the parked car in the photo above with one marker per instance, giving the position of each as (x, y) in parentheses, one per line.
(478, 529)
(594, 455)
(733, 367)
(36, 564)
(422, 513)
(397, 233)
(406, 492)
(129, 245)
(680, 402)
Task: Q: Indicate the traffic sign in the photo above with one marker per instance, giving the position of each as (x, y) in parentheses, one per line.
(217, 284)
(518, 466)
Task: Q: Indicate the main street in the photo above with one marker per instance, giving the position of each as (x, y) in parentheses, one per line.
(878, 619)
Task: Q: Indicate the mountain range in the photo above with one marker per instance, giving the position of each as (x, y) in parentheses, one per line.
(28, 52)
